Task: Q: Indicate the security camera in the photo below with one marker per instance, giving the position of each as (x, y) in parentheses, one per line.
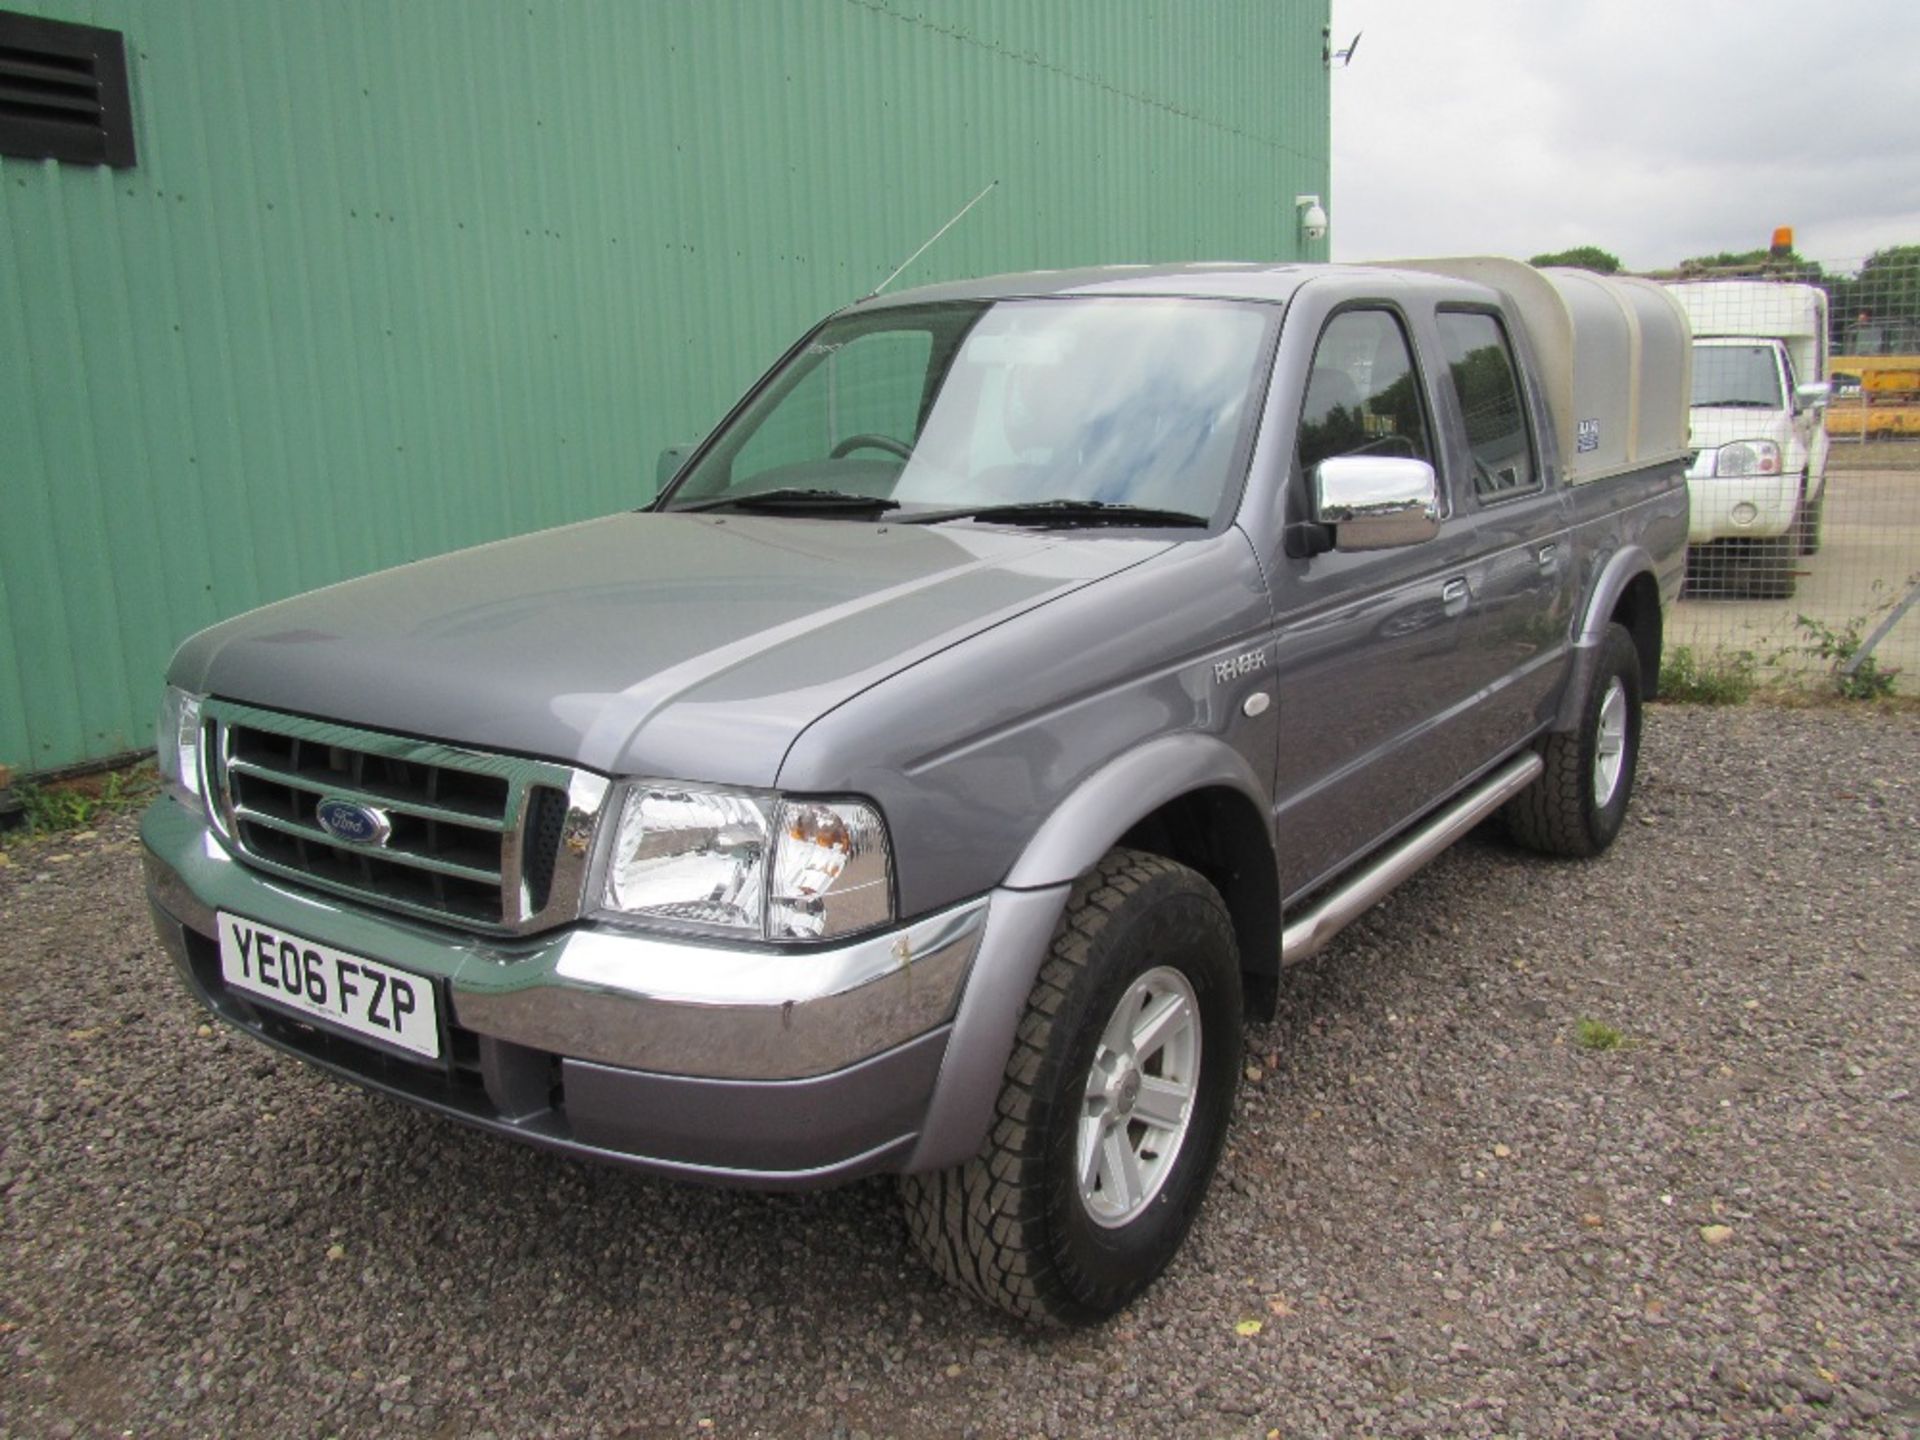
(1313, 216)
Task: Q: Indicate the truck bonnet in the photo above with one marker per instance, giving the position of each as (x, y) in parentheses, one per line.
(694, 647)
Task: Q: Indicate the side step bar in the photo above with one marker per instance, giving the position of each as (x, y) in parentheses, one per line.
(1309, 935)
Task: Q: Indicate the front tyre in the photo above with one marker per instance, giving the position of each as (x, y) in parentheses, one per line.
(1812, 517)
(1770, 564)
(1578, 803)
(1112, 1110)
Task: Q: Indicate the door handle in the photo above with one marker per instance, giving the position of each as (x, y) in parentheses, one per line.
(1548, 554)
(1453, 596)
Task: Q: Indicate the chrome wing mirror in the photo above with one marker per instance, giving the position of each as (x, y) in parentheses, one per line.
(1376, 502)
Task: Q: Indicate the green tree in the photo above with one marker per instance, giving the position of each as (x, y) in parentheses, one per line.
(1896, 271)
(1888, 284)
(1755, 264)
(1878, 310)
(1582, 257)
(1730, 260)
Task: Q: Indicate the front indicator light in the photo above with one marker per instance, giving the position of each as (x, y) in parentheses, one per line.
(832, 871)
(177, 745)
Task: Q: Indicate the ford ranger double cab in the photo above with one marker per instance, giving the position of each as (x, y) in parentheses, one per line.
(933, 775)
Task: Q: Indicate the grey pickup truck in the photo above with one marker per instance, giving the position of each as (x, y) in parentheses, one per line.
(933, 776)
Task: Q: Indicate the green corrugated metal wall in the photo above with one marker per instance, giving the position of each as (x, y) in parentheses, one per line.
(391, 279)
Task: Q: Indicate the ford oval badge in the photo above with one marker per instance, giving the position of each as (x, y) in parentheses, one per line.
(353, 822)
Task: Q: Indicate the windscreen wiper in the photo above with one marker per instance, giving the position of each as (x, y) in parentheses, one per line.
(1061, 513)
(1735, 404)
(835, 502)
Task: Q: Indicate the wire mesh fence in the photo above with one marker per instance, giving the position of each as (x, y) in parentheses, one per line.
(1804, 546)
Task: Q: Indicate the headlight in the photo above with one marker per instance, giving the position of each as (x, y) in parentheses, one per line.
(1748, 457)
(177, 745)
(749, 864)
(697, 857)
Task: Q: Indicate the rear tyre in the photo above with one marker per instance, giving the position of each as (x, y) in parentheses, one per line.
(1113, 1107)
(1578, 803)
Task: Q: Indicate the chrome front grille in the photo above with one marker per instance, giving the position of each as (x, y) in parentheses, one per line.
(484, 841)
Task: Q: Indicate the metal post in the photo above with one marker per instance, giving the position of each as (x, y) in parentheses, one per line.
(1859, 657)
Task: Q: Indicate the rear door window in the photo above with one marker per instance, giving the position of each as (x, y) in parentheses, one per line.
(1480, 364)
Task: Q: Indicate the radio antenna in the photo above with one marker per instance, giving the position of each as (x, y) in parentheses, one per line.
(929, 242)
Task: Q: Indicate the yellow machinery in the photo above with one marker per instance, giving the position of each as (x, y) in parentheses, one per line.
(1885, 404)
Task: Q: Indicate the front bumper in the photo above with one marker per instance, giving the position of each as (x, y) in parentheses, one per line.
(1727, 507)
(738, 1065)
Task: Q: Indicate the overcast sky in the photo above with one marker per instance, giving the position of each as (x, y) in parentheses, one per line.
(1657, 129)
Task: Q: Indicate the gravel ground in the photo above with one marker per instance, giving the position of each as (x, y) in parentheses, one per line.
(1446, 1214)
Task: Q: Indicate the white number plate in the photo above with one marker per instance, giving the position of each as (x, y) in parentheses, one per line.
(348, 992)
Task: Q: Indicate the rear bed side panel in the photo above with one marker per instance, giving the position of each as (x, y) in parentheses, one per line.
(1622, 527)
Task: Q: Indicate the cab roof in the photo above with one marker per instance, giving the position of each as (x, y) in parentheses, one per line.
(1614, 355)
(1209, 280)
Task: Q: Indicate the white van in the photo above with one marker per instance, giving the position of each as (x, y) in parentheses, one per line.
(1759, 437)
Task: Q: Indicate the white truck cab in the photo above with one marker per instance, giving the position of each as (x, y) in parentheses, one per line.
(1758, 423)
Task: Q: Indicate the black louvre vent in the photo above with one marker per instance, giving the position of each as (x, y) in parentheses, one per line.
(63, 92)
(546, 824)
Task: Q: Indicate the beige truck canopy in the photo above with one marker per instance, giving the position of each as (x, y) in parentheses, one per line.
(1615, 358)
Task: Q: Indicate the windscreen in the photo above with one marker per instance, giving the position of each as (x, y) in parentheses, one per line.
(1741, 376)
(1124, 401)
